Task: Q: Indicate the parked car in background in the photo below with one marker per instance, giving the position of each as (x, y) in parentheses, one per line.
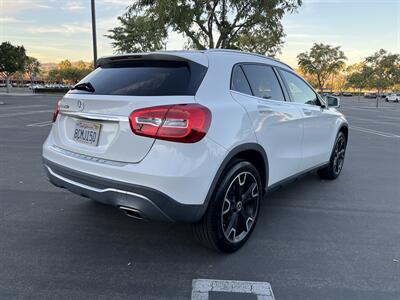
(382, 95)
(336, 94)
(370, 95)
(392, 98)
(36, 86)
(5, 85)
(347, 94)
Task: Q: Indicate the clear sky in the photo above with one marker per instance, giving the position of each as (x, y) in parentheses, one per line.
(52, 30)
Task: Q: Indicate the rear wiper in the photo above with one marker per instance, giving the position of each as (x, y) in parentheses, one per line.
(84, 86)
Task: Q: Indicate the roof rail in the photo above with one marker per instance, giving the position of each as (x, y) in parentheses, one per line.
(250, 53)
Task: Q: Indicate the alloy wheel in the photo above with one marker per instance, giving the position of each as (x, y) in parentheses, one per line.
(338, 156)
(240, 207)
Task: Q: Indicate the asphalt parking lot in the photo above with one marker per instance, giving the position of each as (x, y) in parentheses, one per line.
(315, 239)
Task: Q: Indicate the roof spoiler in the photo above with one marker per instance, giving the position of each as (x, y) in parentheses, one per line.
(196, 57)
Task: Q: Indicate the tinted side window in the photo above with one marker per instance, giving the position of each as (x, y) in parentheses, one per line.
(299, 90)
(263, 82)
(239, 81)
(146, 78)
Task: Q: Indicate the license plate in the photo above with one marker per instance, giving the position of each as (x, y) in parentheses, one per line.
(87, 132)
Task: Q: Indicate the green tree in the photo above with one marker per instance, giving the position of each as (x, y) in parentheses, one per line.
(54, 76)
(359, 77)
(32, 67)
(12, 59)
(137, 34)
(81, 65)
(19, 77)
(384, 71)
(66, 72)
(252, 25)
(64, 64)
(322, 62)
(73, 74)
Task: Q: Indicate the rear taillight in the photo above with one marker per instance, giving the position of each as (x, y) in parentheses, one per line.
(185, 123)
(56, 111)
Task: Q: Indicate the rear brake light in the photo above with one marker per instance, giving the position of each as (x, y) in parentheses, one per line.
(56, 111)
(185, 123)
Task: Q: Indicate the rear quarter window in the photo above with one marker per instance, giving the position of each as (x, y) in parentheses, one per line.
(146, 78)
(239, 81)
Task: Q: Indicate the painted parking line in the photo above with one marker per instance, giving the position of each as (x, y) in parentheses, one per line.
(21, 106)
(40, 124)
(369, 108)
(388, 117)
(201, 288)
(26, 113)
(18, 94)
(386, 122)
(370, 131)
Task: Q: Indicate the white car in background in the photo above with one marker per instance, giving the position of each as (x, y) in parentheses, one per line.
(193, 136)
(392, 98)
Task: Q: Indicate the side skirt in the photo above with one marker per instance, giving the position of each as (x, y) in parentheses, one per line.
(294, 177)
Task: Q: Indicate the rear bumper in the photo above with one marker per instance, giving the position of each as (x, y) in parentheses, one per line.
(149, 203)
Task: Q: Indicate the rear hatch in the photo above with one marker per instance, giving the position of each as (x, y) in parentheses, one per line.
(94, 118)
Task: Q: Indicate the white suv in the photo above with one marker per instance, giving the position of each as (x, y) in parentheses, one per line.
(392, 98)
(192, 136)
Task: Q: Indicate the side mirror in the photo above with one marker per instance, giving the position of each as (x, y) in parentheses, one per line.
(332, 101)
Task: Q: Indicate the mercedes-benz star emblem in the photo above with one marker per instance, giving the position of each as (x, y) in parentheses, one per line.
(80, 105)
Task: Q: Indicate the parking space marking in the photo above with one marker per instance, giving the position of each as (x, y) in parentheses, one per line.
(380, 133)
(21, 106)
(202, 287)
(40, 124)
(387, 122)
(369, 108)
(24, 113)
(11, 94)
(388, 117)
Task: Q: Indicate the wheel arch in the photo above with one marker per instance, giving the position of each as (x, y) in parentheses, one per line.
(251, 152)
(345, 129)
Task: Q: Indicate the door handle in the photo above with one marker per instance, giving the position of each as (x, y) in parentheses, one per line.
(264, 109)
(307, 112)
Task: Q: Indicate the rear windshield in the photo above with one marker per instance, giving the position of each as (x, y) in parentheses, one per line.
(145, 78)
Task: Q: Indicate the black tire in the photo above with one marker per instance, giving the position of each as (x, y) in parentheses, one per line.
(223, 227)
(333, 169)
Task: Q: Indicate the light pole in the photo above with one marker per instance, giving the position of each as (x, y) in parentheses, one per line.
(94, 34)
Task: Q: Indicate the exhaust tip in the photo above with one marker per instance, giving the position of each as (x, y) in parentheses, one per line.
(131, 212)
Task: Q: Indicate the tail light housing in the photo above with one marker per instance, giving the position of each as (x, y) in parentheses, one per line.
(56, 111)
(184, 123)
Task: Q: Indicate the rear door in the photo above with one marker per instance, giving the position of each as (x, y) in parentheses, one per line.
(96, 123)
(276, 122)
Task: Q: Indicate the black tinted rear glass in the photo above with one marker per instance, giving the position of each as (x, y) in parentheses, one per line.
(239, 82)
(146, 78)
